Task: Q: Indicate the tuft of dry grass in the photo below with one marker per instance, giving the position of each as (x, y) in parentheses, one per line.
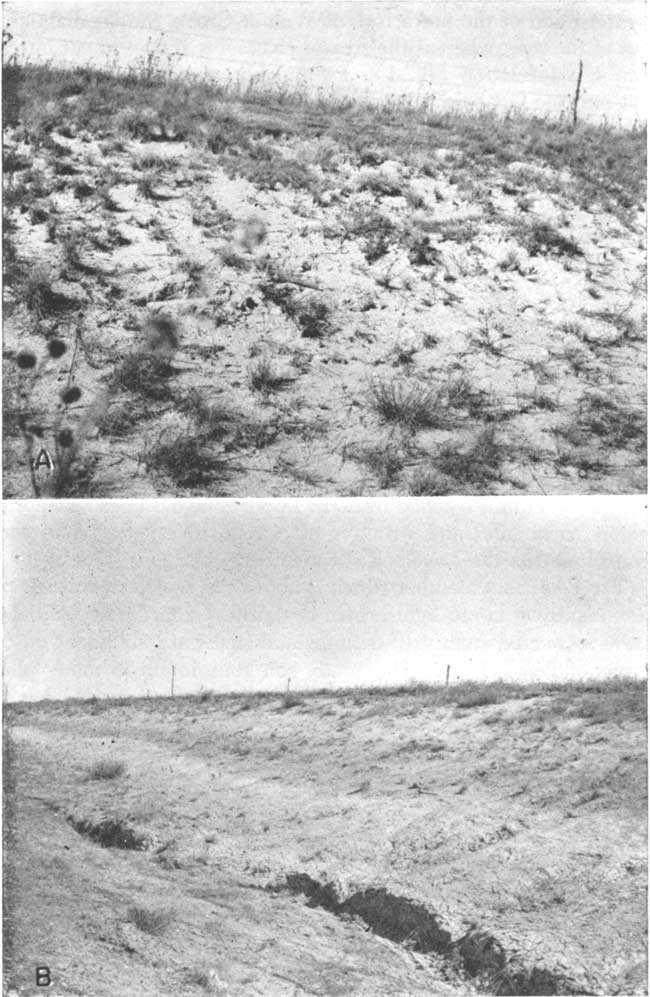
(106, 770)
(151, 922)
(144, 374)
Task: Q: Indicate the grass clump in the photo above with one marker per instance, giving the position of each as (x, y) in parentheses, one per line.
(291, 699)
(270, 172)
(615, 422)
(381, 184)
(198, 978)
(188, 460)
(429, 481)
(151, 922)
(314, 317)
(106, 770)
(473, 697)
(377, 232)
(409, 403)
(543, 239)
(311, 313)
(384, 460)
(462, 231)
(214, 420)
(264, 377)
(146, 375)
(478, 464)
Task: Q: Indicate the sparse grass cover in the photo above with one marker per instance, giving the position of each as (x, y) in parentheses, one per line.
(377, 264)
(546, 783)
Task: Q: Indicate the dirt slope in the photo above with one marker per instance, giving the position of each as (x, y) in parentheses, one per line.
(497, 848)
(279, 306)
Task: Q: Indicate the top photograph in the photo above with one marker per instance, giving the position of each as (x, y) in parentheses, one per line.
(324, 249)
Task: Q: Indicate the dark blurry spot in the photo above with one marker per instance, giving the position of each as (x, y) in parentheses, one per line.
(26, 360)
(71, 395)
(65, 438)
(162, 334)
(56, 348)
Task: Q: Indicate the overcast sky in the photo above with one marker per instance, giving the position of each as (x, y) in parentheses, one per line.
(498, 52)
(103, 597)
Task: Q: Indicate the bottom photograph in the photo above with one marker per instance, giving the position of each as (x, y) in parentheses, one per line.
(325, 747)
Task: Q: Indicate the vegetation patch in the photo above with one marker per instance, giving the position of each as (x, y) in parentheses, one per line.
(110, 834)
(106, 770)
(188, 460)
(144, 374)
(150, 921)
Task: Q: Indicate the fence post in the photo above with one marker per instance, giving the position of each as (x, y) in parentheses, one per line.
(576, 96)
(173, 673)
(447, 678)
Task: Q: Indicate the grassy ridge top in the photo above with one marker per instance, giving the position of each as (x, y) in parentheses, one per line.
(607, 163)
(615, 698)
(249, 292)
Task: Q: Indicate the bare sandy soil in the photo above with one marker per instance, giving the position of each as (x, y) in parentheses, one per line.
(353, 844)
(342, 324)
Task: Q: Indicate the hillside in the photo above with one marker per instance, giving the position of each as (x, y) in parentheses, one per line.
(487, 839)
(215, 292)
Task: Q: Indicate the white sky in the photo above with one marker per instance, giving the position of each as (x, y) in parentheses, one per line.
(497, 52)
(103, 597)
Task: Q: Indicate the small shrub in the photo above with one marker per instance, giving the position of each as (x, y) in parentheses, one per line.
(152, 922)
(106, 770)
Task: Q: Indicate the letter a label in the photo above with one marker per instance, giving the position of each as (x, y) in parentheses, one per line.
(43, 460)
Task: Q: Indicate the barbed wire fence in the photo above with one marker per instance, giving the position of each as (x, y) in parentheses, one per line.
(540, 92)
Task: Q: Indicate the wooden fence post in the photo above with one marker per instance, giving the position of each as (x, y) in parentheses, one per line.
(576, 96)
